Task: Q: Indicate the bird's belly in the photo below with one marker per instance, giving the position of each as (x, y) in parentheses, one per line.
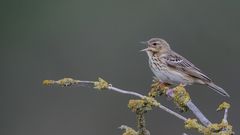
(171, 77)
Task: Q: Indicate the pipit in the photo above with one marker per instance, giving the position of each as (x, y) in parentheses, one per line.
(172, 68)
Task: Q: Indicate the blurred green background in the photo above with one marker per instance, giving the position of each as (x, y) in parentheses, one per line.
(52, 39)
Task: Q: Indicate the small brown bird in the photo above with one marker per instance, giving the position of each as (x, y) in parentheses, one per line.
(170, 67)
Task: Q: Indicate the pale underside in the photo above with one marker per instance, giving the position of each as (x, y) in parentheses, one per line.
(167, 69)
(168, 76)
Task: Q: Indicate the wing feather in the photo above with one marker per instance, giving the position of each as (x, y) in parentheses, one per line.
(178, 62)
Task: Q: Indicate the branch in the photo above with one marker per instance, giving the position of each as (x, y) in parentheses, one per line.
(224, 106)
(103, 85)
(198, 113)
(180, 97)
(125, 91)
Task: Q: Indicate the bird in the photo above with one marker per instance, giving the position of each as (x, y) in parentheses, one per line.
(171, 68)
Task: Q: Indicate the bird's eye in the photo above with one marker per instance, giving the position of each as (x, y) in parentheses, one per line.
(154, 43)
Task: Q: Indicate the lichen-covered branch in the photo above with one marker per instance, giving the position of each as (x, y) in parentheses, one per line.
(140, 106)
(213, 129)
(224, 106)
(222, 128)
(101, 84)
(198, 113)
(182, 99)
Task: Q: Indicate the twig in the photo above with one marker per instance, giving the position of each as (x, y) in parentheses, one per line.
(224, 106)
(141, 123)
(225, 115)
(125, 91)
(172, 112)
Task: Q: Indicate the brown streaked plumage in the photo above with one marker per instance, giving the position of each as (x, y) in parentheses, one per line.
(170, 67)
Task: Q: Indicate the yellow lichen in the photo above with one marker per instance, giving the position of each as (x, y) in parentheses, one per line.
(212, 129)
(181, 97)
(128, 130)
(223, 106)
(141, 106)
(157, 88)
(48, 82)
(66, 82)
(145, 104)
(222, 128)
(101, 84)
(62, 82)
(135, 105)
(151, 101)
(193, 124)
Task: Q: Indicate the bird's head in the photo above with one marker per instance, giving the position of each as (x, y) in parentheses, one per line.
(156, 45)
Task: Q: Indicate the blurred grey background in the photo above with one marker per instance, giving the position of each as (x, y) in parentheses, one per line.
(52, 39)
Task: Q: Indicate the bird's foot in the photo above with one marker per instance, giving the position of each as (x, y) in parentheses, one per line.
(170, 92)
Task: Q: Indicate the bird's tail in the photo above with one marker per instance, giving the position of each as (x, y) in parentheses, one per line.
(218, 89)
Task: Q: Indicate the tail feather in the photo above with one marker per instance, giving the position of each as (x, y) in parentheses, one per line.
(218, 89)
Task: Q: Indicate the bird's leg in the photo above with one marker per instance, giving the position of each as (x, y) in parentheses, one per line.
(169, 92)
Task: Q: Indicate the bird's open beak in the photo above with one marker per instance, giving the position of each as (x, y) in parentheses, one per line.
(149, 49)
(143, 42)
(144, 50)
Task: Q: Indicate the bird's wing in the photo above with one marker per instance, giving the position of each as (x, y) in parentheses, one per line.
(178, 62)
